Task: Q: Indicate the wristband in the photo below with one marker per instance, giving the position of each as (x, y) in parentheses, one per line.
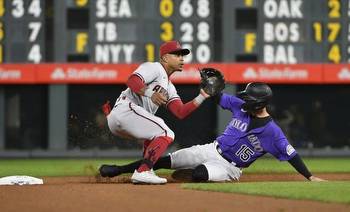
(148, 92)
(199, 99)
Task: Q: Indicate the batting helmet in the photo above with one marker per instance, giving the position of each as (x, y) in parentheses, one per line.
(256, 96)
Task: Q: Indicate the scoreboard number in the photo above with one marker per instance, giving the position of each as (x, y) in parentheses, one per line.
(81, 3)
(34, 30)
(334, 29)
(35, 8)
(203, 32)
(166, 8)
(203, 53)
(203, 10)
(18, 8)
(187, 30)
(186, 9)
(348, 40)
(168, 32)
(1, 31)
(334, 8)
(150, 56)
(1, 39)
(334, 54)
(1, 54)
(2, 8)
(34, 54)
(317, 27)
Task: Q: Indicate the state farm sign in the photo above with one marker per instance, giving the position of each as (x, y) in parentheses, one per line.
(13, 74)
(276, 73)
(337, 73)
(344, 74)
(83, 74)
(10, 74)
(265, 73)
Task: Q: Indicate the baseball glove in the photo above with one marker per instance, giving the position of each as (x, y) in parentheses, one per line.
(212, 81)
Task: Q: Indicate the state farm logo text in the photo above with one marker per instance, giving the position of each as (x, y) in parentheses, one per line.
(10, 74)
(344, 74)
(83, 74)
(285, 73)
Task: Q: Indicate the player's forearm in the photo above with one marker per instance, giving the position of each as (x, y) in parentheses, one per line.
(299, 165)
(181, 110)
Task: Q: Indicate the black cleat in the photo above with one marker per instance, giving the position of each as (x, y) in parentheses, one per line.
(109, 170)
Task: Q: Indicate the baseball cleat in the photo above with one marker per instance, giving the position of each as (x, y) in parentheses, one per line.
(147, 177)
(109, 170)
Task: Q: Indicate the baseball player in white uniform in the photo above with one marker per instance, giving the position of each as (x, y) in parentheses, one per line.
(133, 113)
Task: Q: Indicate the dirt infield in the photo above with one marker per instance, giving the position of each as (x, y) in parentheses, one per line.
(78, 194)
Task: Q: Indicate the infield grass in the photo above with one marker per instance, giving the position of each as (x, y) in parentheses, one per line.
(54, 167)
(337, 192)
(83, 167)
(316, 165)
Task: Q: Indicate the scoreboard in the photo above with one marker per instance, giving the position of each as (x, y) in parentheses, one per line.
(126, 31)
(22, 31)
(289, 31)
(131, 31)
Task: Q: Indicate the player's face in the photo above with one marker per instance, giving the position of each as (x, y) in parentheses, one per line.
(176, 61)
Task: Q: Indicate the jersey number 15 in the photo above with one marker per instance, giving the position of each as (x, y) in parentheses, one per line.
(244, 153)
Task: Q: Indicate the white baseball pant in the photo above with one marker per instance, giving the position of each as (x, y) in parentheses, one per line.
(128, 119)
(218, 168)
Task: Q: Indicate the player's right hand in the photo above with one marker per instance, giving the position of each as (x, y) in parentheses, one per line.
(158, 98)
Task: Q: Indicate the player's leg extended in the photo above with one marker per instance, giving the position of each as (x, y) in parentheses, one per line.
(219, 169)
(222, 171)
(144, 125)
(189, 158)
(206, 164)
(115, 170)
(188, 163)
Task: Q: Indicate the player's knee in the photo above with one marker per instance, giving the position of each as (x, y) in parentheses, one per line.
(200, 174)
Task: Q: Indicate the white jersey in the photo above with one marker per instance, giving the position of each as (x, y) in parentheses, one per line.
(155, 78)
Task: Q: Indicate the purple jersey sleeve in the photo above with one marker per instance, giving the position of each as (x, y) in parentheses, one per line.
(229, 102)
(281, 149)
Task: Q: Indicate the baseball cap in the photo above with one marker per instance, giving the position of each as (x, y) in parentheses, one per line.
(172, 47)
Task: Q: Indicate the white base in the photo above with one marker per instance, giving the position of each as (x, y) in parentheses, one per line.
(20, 180)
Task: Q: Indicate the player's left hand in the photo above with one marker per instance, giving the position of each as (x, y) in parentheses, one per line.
(212, 81)
(158, 98)
(203, 93)
(316, 179)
